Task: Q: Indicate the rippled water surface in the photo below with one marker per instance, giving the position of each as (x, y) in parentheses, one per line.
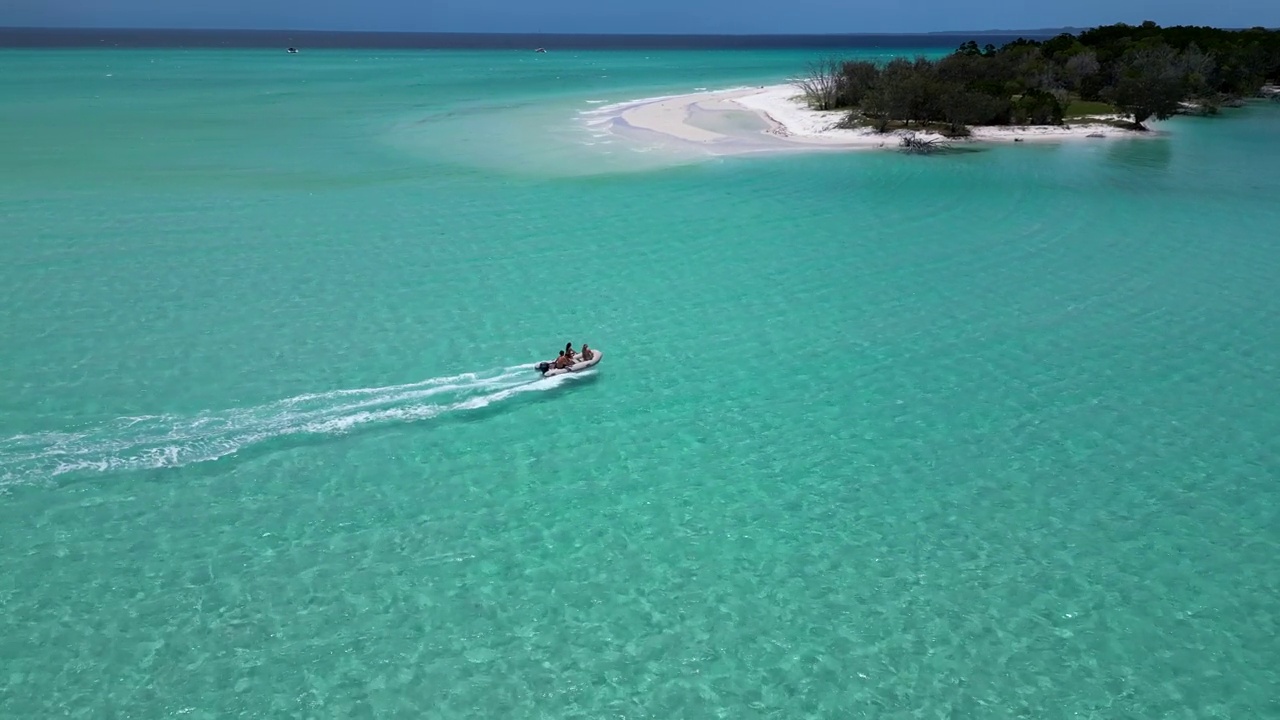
(991, 434)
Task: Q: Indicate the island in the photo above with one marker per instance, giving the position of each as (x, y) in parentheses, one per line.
(1105, 82)
(1117, 75)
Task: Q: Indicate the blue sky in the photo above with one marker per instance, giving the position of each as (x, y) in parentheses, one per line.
(639, 16)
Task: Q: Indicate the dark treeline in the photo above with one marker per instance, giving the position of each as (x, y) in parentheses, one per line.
(1140, 72)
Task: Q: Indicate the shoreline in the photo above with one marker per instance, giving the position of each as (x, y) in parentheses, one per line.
(776, 117)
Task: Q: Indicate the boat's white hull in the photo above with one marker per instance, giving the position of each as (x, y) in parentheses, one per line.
(576, 367)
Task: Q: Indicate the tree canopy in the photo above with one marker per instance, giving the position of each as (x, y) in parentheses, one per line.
(1141, 72)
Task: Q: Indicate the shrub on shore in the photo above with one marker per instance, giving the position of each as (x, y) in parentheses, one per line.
(1140, 72)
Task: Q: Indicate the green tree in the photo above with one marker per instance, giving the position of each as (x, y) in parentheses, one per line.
(1197, 76)
(1080, 69)
(905, 91)
(860, 78)
(961, 107)
(1149, 83)
(1037, 107)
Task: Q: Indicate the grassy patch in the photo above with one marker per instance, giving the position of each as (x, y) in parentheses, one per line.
(1087, 108)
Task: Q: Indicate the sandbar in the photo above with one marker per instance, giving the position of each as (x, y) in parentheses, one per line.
(776, 117)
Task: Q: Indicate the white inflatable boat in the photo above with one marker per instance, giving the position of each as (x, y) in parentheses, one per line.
(547, 369)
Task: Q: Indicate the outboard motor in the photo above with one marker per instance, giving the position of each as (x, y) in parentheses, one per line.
(542, 367)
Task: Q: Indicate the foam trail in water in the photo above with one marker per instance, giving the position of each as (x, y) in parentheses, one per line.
(156, 441)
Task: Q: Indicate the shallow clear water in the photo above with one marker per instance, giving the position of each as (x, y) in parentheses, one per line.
(990, 434)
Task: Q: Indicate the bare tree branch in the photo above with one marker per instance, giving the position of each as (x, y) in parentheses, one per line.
(823, 84)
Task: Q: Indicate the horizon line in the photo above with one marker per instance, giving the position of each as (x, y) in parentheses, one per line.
(111, 28)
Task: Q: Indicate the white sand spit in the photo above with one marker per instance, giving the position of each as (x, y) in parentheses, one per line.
(777, 118)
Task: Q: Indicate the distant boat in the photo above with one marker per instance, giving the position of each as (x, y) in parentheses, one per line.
(540, 50)
(293, 51)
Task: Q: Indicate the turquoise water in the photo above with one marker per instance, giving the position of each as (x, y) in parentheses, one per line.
(984, 435)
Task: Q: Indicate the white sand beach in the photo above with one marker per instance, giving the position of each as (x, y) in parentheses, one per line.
(776, 117)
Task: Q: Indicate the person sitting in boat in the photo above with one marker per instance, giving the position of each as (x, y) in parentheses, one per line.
(568, 351)
(562, 361)
(586, 353)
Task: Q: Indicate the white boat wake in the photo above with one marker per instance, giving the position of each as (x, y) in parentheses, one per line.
(159, 441)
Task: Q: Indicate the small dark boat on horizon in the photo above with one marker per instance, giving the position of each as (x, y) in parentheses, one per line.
(540, 50)
(293, 51)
